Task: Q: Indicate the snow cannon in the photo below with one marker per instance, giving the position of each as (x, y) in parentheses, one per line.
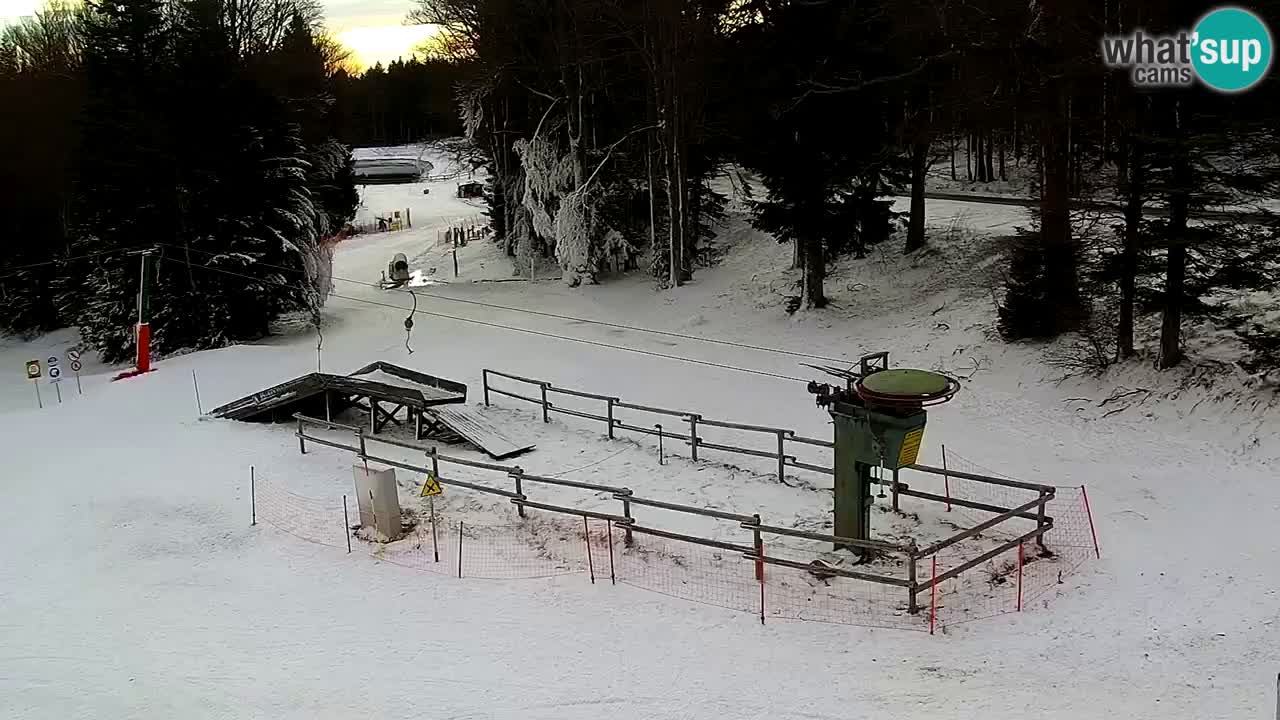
(879, 417)
(398, 270)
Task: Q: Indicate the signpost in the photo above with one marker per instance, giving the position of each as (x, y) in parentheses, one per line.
(33, 374)
(55, 376)
(430, 489)
(73, 359)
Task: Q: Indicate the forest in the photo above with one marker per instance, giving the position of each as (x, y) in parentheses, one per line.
(606, 119)
(604, 123)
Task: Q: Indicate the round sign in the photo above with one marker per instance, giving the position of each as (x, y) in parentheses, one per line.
(73, 355)
(53, 360)
(1234, 49)
(55, 373)
(75, 366)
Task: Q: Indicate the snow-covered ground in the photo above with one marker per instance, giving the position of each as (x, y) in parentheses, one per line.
(134, 586)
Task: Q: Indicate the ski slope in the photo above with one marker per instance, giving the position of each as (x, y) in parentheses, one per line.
(133, 585)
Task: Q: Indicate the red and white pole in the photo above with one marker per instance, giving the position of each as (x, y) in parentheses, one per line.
(1020, 563)
(142, 331)
(933, 595)
(143, 363)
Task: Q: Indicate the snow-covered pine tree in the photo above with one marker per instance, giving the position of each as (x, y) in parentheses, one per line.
(126, 192)
(239, 209)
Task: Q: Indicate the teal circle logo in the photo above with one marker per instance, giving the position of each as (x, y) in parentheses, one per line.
(1231, 49)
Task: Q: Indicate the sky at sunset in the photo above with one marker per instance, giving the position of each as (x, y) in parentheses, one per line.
(374, 30)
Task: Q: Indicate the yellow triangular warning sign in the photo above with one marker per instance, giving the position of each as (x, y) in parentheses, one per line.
(431, 486)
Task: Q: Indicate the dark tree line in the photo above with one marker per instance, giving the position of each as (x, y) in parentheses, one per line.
(404, 102)
(203, 128)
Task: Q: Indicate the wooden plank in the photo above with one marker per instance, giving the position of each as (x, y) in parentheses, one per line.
(479, 431)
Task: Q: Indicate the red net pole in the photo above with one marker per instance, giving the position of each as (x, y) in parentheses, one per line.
(586, 538)
(933, 596)
(1020, 557)
(946, 479)
(759, 558)
(762, 602)
(1092, 531)
(613, 579)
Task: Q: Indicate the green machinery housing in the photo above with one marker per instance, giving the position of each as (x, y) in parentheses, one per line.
(879, 417)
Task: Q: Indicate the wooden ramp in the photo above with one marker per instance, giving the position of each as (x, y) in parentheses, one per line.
(479, 431)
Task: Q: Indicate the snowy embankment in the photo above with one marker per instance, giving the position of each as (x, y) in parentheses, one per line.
(135, 587)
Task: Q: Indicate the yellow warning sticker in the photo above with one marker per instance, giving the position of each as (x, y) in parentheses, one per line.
(910, 447)
(431, 487)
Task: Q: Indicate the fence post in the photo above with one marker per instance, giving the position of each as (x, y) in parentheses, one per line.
(346, 523)
(484, 381)
(912, 606)
(758, 542)
(1020, 556)
(782, 456)
(1040, 518)
(459, 548)
(435, 545)
(933, 596)
(586, 538)
(546, 417)
(611, 402)
(659, 427)
(253, 496)
(626, 513)
(516, 473)
(302, 443)
(946, 479)
(1094, 533)
(693, 436)
(613, 579)
(894, 489)
(364, 457)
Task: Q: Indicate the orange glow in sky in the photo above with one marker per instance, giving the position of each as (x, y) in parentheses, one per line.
(373, 30)
(369, 45)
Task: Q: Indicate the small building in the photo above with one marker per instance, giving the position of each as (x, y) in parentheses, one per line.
(470, 189)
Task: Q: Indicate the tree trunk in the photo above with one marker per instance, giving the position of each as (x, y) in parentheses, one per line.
(682, 195)
(915, 223)
(796, 255)
(968, 156)
(991, 172)
(980, 171)
(1176, 258)
(648, 172)
(1134, 163)
(1061, 280)
(1003, 177)
(813, 295)
(1017, 133)
(673, 243)
(954, 146)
